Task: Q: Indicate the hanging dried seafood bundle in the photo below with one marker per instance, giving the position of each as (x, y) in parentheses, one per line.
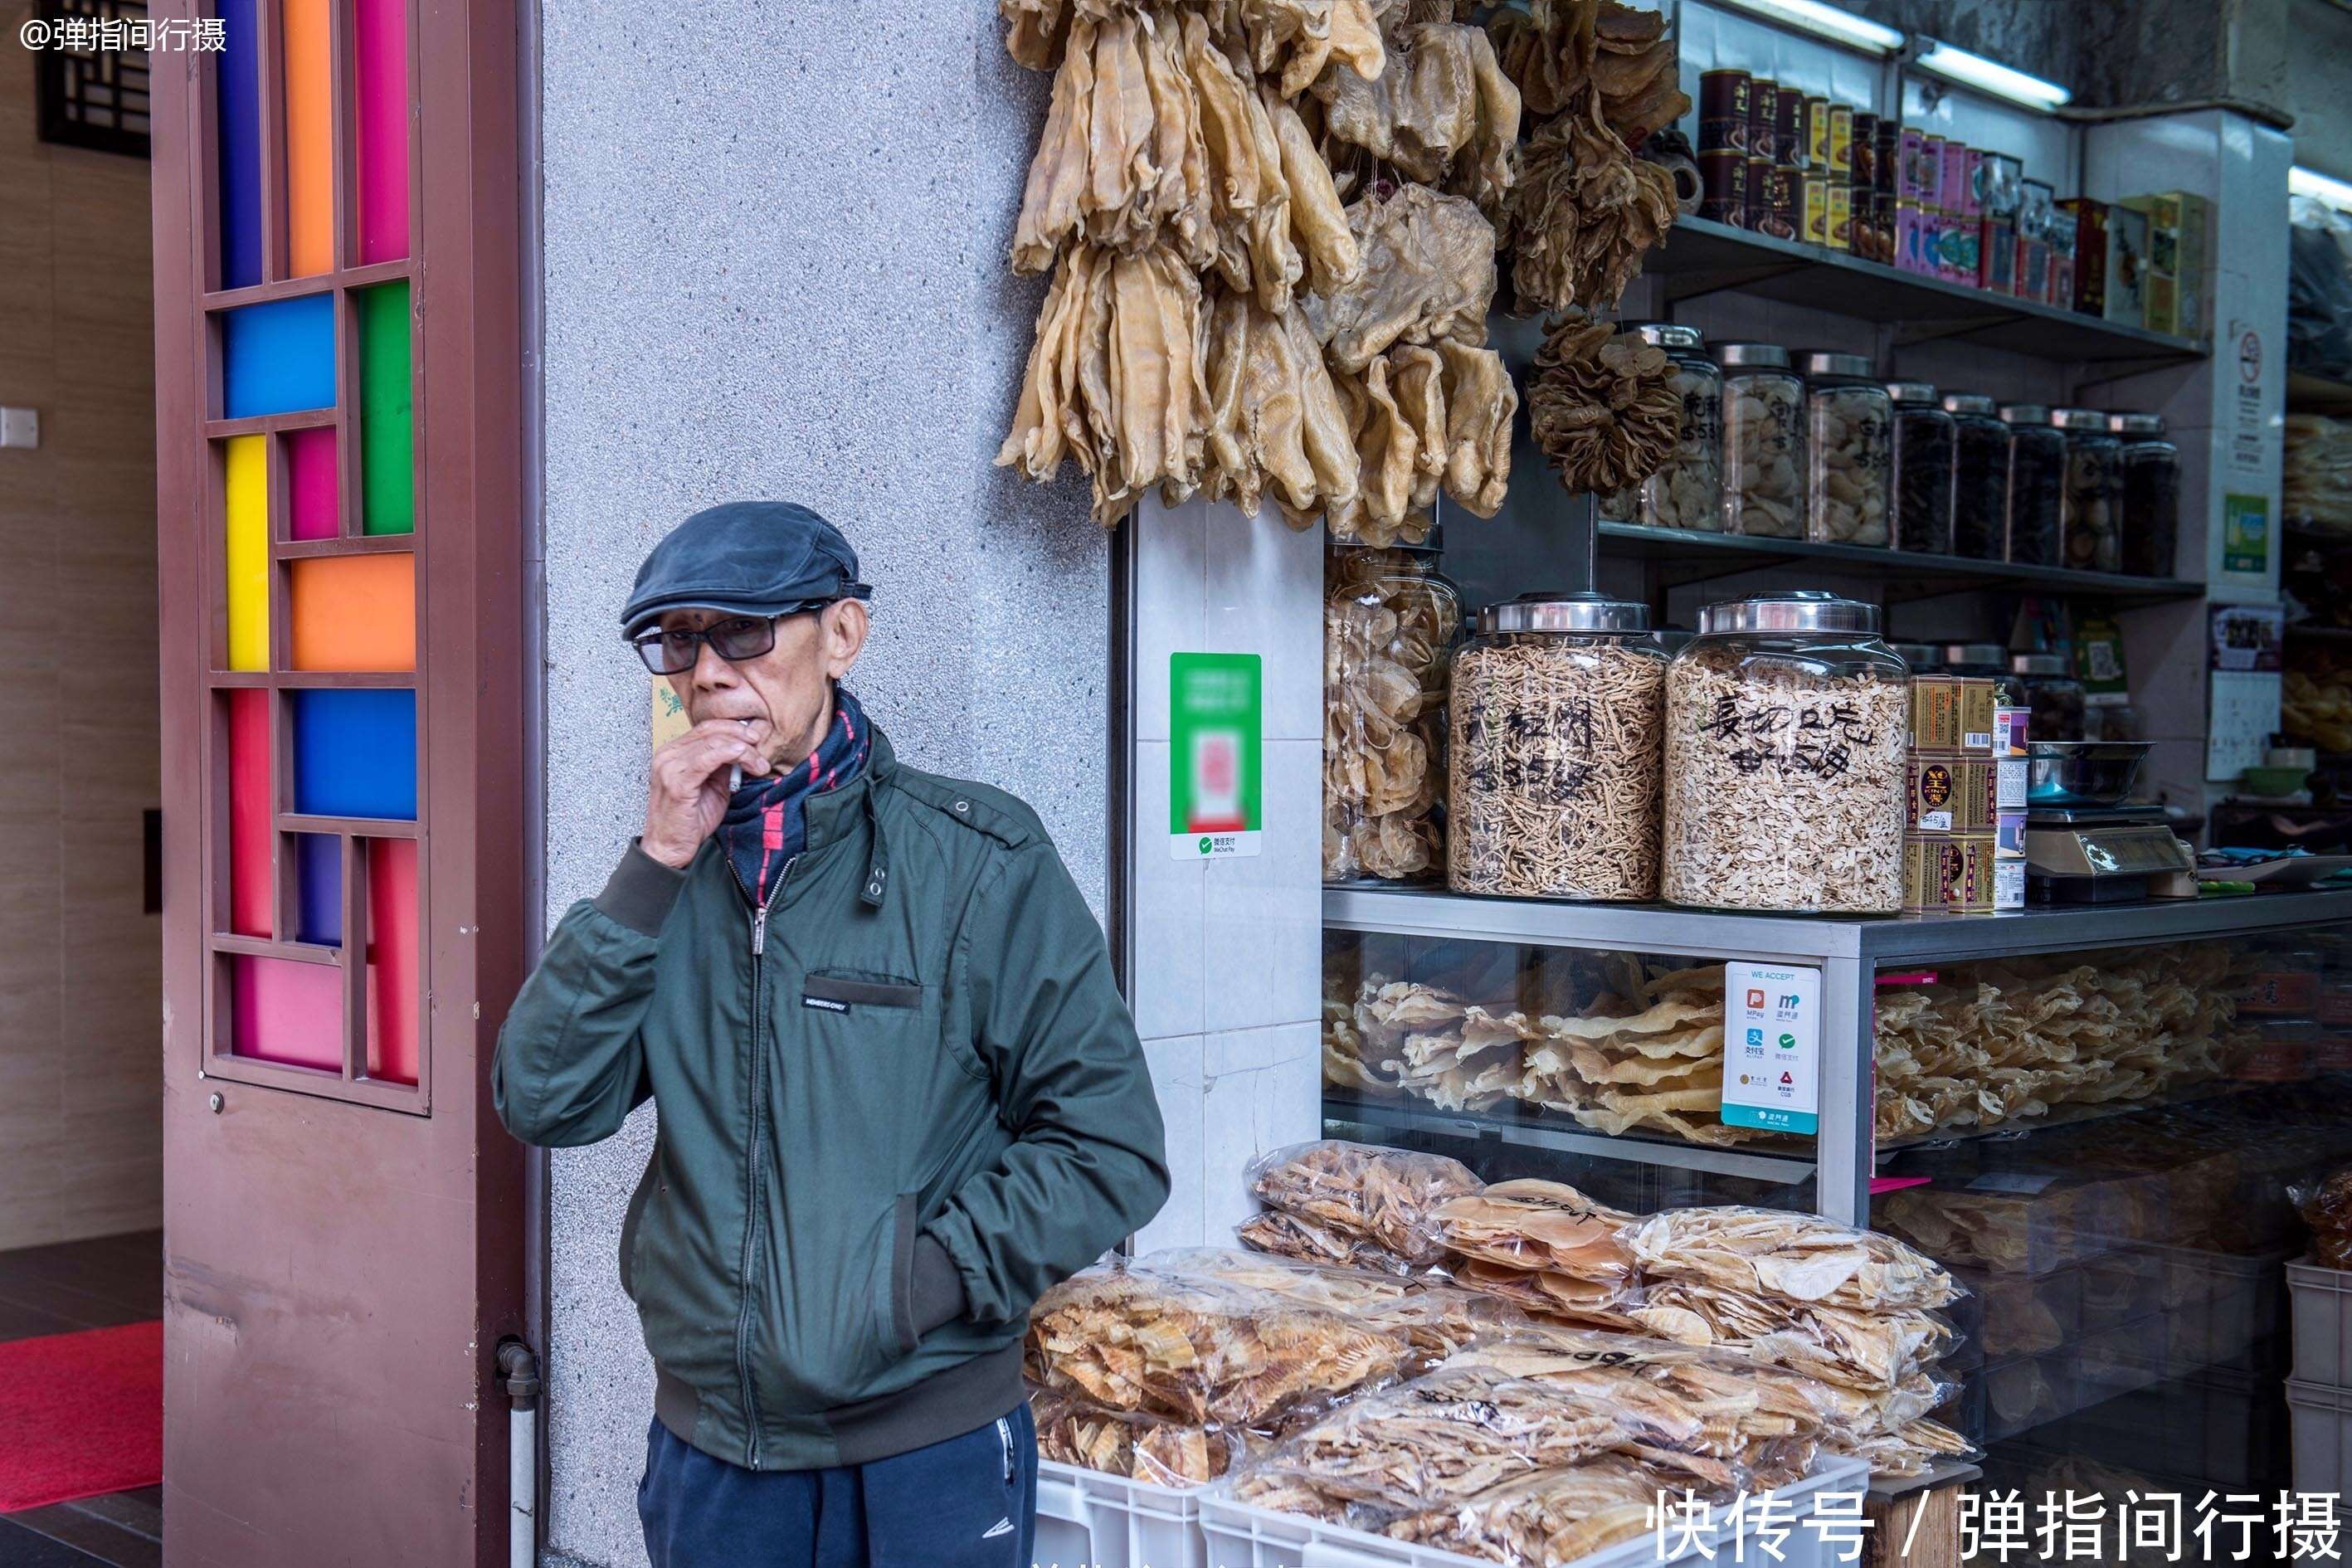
(1443, 113)
(1423, 419)
(1584, 212)
(1276, 422)
(1556, 48)
(1601, 406)
(1114, 380)
(1295, 38)
(1428, 275)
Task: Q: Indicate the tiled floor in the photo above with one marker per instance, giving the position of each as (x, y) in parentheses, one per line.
(57, 1289)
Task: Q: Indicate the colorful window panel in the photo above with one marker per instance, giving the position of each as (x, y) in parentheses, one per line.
(317, 932)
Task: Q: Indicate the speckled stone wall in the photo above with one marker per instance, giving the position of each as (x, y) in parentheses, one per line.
(773, 266)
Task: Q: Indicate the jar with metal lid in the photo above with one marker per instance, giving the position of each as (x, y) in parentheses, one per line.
(1787, 731)
(2094, 505)
(1918, 657)
(2054, 700)
(1848, 456)
(1390, 620)
(2037, 484)
(1687, 490)
(1763, 441)
(2151, 510)
(1980, 476)
(1925, 445)
(1557, 742)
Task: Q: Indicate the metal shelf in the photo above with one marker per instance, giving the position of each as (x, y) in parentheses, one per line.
(1694, 555)
(1703, 258)
(1533, 1128)
(1667, 929)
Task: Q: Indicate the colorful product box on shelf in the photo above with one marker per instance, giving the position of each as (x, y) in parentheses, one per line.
(1956, 241)
(1842, 140)
(1723, 187)
(1724, 97)
(1963, 167)
(1789, 129)
(2082, 254)
(1758, 191)
(2178, 227)
(1948, 873)
(1840, 214)
(2009, 830)
(1816, 134)
(2000, 186)
(2007, 885)
(1953, 715)
(2125, 298)
(1783, 207)
(1996, 257)
(1910, 236)
(1864, 156)
(2036, 211)
(1817, 207)
(1949, 794)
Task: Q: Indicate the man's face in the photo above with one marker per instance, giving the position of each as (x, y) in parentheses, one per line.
(783, 698)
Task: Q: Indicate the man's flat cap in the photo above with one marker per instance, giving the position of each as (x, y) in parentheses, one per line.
(751, 557)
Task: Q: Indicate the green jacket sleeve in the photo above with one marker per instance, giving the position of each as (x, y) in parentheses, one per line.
(1088, 1164)
(569, 1067)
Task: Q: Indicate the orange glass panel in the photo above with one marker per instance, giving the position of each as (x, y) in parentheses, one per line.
(392, 959)
(250, 860)
(310, 139)
(355, 612)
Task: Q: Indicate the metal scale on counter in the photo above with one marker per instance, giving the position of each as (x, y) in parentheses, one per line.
(2084, 843)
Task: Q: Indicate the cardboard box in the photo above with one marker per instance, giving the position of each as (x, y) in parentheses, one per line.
(1996, 257)
(1948, 874)
(2009, 734)
(2008, 886)
(1949, 794)
(2009, 786)
(2125, 298)
(2008, 829)
(2179, 227)
(1910, 235)
(2087, 253)
(1952, 715)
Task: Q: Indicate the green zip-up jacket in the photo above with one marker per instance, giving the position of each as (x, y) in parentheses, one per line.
(894, 1107)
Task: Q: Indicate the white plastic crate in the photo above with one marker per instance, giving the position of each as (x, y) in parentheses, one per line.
(2323, 1436)
(1089, 1519)
(2323, 1323)
(1241, 1536)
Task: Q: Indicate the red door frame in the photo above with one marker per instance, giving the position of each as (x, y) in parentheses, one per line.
(338, 1273)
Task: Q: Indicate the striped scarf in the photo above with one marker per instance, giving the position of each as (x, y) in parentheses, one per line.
(765, 824)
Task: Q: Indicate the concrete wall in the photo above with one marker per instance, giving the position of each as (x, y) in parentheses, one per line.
(81, 1139)
(774, 267)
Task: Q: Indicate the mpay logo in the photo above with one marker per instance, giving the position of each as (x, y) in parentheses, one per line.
(1756, 999)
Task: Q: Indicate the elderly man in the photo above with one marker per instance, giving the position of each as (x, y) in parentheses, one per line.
(900, 1093)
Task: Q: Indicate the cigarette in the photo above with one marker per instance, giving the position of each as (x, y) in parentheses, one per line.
(735, 770)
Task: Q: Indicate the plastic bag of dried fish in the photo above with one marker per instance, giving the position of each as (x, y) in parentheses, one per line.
(1789, 1257)
(1436, 1319)
(1197, 1350)
(1552, 1515)
(1535, 1226)
(1877, 1352)
(1382, 1195)
(1073, 1431)
(1280, 1235)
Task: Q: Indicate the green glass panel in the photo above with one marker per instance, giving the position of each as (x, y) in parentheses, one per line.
(387, 456)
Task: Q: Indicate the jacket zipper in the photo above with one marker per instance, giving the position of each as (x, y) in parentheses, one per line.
(754, 1157)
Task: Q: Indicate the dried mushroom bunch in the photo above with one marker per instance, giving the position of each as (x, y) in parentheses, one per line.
(1139, 1447)
(1602, 405)
(1383, 1195)
(1554, 764)
(1442, 113)
(1988, 1044)
(1584, 212)
(1196, 1351)
(1554, 49)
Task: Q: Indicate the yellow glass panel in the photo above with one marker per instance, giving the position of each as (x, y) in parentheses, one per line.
(246, 551)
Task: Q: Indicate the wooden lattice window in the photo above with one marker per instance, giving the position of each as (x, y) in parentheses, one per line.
(92, 79)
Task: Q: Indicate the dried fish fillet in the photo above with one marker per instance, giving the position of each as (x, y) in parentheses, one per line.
(1538, 1225)
(1382, 1195)
(1789, 1257)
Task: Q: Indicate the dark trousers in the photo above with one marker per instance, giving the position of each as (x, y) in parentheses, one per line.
(964, 1502)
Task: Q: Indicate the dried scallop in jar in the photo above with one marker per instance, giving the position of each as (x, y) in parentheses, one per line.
(1763, 411)
(1848, 457)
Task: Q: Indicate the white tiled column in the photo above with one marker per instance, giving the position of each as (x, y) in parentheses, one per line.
(1226, 957)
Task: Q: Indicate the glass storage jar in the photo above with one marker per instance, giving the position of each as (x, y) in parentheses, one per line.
(1558, 708)
(1763, 441)
(1980, 476)
(1686, 492)
(1390, 619)
(1787, 731)
(1847, 453)
(1921, 488)
(2037, 484)
(2053, 698)
(2093, 504)
(2151, 510)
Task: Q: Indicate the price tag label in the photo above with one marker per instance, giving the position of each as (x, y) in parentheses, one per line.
(1772, 1046)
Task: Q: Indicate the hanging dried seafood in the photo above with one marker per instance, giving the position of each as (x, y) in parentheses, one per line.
(1584, 212)
(1275, 421)
(1114, 380)
(1295, 38)
(1428, 274)
(1443, 113)
(1556, 48)
(1601, 406)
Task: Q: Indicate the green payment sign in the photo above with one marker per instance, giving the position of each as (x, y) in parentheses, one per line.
(1217, 725)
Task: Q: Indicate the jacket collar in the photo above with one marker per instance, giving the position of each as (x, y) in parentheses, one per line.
(834, 815)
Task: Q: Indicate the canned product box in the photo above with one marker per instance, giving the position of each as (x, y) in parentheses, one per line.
(1842, 138)
(1957, 241)
(1996, 257)
(1789, 129)
(1783, 207)
(2179, 225)
(1723, 187)
(1951, 173)
(1816, 134)
(1882, 221)
(2000, 182)
(1910, 236)
(1840, 214)
(2125, 271)
(1817, 207)
(2009, 828)
(1912, 181)
(1969, 202)
(1758, 191)
(1886, 167)
(2078, 247)
(1949, 794)
(2009, 734)
(2009, 775)
(1952, 714)
(1724, 97)
(1948, 873)
(1764, 117)
(1864, 158)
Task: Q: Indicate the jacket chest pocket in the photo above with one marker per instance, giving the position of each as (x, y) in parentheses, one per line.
(889, 1020)
(848, 994)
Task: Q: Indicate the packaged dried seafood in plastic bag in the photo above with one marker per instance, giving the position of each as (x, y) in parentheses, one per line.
(1073, 1431)
(1280, 1235)
(1552, 1515)
(1549, 1294)
(1435, 1317)
(1846, 1345)
(1383, 1195)
(1791, 1256)
(1907, 1451)
(1538, 1225)
(1197, 1350)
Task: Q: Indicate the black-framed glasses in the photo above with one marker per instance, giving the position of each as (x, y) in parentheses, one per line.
(674, 650)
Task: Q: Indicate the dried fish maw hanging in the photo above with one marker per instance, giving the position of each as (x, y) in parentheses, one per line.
(1275, 417)
(1319, 223)
(1428, 273)
(1548, 50)
(1584, 213)
(1480, 403)
(1443, 112)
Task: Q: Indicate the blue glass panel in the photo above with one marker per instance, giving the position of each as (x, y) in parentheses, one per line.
(279, 358)
(320, 863)
(239, 143)
(355, 753)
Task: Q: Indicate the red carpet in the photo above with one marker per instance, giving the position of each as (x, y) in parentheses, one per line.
(81, 1415)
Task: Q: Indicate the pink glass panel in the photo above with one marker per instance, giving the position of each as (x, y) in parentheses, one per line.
(285, 1011)
(381, 61)
(250, 860)
(310, 483)
(392, 959)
